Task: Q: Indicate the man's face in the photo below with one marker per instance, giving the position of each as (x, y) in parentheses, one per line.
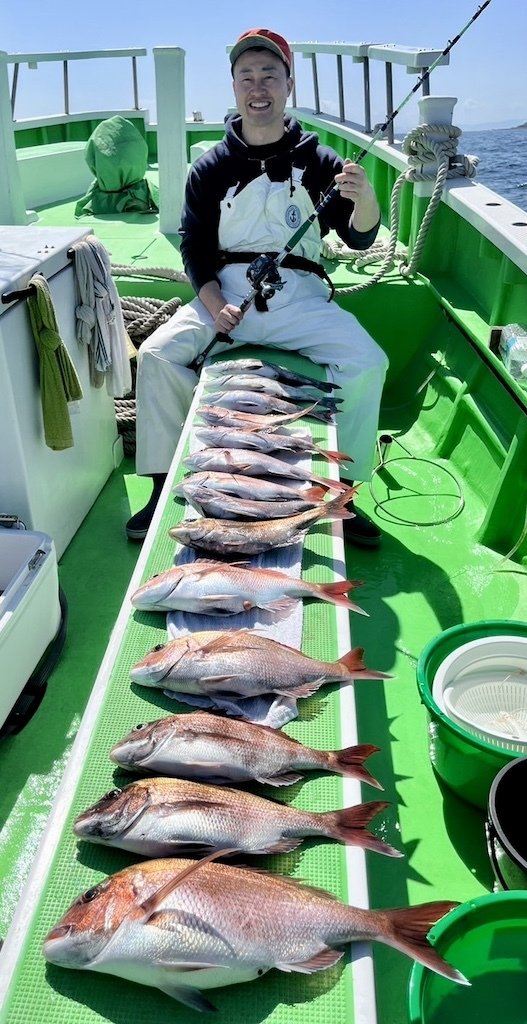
(261, 87)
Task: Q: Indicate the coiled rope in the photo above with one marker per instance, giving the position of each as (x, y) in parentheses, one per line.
(423, 148)
(124, 270)
(141, 317)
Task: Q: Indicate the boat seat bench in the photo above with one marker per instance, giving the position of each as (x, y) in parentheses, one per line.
(54, 169)
(64, 867)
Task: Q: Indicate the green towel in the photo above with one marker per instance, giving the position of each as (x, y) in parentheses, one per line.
(59, 383)
(117, 154)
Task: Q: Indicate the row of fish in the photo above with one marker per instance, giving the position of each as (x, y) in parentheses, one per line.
(186, 926)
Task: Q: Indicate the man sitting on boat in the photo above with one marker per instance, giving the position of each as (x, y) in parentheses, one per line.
(244, 197)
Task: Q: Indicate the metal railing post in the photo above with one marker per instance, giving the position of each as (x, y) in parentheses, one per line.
(340, 80)
(315, 82)
(389, 100)
(66, 87)
(367, 97)
(134, 78)
(13, 89)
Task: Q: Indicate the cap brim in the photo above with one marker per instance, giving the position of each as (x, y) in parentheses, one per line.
(257, 43)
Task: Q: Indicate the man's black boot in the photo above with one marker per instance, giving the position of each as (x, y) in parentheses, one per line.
(137, 526)
(360, 530)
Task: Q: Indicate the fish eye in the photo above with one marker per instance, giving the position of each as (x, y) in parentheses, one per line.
(158, 647)
(90, 894)
(136, 728)
(113, 793)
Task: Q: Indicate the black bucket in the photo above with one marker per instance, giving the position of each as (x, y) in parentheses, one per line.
(506, 832)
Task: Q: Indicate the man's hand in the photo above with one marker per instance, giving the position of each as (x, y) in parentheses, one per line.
(226, 316)
(354, 185)
(227, 319)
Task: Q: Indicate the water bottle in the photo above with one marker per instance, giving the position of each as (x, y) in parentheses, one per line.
(513, 351)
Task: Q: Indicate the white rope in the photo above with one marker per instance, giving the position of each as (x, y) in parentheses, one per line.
(423, 149)
(142, 316)
(124, 270)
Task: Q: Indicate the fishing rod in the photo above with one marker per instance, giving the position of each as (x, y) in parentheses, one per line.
(263, 272)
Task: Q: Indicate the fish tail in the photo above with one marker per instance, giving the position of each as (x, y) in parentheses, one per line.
(350, 826)
(350, 762)
(407, 930)
(314, 493)
(337, 507)
(332, 456)
(325, 415)
(336, 593)
(339, 486)
(353, 663)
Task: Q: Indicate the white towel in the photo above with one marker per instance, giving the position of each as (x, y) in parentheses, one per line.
(100, 322)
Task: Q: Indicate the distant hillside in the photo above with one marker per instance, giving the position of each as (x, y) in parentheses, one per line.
(524, 125)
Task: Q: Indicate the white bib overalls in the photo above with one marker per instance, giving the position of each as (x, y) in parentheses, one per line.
(262, 218)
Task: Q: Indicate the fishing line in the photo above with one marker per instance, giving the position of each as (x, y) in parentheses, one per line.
(263, 272)
(384, 443)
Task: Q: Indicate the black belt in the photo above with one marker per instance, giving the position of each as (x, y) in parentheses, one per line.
(291, 262)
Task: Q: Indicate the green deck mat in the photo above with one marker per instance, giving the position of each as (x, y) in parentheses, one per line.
(42, 992)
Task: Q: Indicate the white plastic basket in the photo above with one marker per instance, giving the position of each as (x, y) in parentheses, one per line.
(482, 687)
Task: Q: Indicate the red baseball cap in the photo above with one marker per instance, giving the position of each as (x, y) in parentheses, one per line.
(262, 38)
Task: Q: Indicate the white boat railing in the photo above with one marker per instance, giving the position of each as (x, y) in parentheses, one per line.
(65, 57)
(170, 102)
(415, 59)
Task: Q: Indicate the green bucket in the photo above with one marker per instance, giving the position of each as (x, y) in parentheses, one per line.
(486, 940)
(466, 763)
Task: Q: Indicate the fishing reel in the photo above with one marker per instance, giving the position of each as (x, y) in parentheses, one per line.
(263, 275)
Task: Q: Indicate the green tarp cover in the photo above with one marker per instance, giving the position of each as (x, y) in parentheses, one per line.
(117, 154)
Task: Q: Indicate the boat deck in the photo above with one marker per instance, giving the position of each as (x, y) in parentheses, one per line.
(423, 579)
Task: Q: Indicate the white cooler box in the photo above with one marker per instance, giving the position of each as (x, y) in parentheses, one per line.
(30, 612)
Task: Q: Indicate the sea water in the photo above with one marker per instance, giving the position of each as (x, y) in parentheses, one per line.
(503, 161)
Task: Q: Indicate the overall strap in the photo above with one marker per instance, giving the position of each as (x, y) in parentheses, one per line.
(291, 262)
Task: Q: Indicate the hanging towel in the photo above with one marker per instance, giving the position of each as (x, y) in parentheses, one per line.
(117, 155)
(100, 323)
(59, 383)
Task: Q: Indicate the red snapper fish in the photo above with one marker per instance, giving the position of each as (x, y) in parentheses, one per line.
(216, 588)
(242, 663)
(162, 817)
(213, 748)
(186, 926)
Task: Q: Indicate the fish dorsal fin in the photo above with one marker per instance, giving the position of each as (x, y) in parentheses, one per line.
(237, 639)
(204, 564)
(153, 902)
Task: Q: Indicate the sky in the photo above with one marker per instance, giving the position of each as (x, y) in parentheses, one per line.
(486, 71)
